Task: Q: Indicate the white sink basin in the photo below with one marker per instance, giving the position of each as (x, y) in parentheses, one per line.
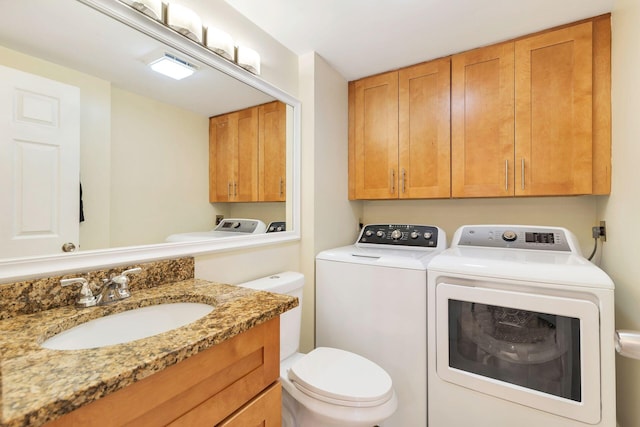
(128, 326)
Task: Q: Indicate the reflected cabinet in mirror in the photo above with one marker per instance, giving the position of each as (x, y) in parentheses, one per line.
(105, 157)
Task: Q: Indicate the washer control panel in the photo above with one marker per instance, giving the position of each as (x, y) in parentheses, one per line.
(407, 235)
(241, 225)
(518, 237)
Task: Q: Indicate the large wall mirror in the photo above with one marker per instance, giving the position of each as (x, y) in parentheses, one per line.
(143, 138)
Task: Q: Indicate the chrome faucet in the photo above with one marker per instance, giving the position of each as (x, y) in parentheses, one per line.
(113, 289)
(116, 288)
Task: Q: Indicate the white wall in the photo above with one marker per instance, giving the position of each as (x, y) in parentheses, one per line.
(328, 218)
(621, 210)
(159, 171)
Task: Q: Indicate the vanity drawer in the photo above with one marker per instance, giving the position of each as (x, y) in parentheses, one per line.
(201, 390)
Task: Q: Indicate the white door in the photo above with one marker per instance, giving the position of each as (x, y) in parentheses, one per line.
(39, 164)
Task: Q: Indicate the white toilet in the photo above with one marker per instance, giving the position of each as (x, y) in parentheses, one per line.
(328, 386)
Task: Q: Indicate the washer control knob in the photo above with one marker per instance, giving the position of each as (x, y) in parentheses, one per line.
(427, 235)
(509, 236)
(368, 233)
(236, 224)
(380, 233)
(396, 234)
(414, 234)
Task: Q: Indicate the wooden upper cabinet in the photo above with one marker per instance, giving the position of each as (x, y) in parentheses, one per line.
(424, 130)
(554, 112)
(400, 133)
(233, 157)
(482, 122)
(272, 146)
(529, 117)
(375, 117)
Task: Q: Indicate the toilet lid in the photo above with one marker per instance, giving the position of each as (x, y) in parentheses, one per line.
(342, 378)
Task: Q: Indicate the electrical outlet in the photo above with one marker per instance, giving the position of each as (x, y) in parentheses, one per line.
(603, 230)
(600, 232)
(219, 219)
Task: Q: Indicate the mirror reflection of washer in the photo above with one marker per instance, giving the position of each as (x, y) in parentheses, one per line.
(371, 299)
(520, 331)
(226, 228)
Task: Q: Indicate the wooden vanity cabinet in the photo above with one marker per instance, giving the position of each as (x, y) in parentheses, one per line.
(233, 156)
(399, 133)
(532, 117)
(231, 384)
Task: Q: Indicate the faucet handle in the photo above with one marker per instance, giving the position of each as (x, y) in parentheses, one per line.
(86, 297)
(122, 280)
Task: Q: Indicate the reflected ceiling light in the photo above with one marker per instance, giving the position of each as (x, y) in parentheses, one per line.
(248, 59)
(221, 43)
(151, 8)
(173, 67)
(185, 21)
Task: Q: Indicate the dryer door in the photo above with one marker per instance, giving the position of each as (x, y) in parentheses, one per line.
(537, 350)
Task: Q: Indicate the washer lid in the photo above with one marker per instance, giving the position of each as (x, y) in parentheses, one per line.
(341, 378)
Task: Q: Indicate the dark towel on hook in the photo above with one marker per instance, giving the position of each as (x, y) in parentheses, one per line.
(81, 208)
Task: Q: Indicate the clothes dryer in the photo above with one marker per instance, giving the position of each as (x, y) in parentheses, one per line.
(520, 331)
(371, 299)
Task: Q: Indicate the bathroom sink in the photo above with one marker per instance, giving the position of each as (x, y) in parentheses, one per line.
(128, 326)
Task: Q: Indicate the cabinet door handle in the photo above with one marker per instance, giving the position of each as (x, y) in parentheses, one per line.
(393, 181)
(281, 186)
(522, 172)
(404, 176)
(506, 175)
(229, 190)
(235, 189)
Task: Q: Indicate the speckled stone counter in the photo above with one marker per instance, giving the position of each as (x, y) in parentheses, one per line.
(39, 385)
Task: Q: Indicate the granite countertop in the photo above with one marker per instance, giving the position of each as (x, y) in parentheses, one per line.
(39, 385)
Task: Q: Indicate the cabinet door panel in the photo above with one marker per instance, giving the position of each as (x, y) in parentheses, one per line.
(554, 112)
(272, 152)
(482, 122)
(424, 130)
(376, 137)
(222, 155)
(245, 187)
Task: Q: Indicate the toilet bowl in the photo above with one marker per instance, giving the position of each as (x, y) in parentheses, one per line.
(327, 386)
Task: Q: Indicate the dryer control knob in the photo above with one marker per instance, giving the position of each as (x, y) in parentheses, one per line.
(428, 235)
(396, 234)
(509, 236)
(414, 234)
(380, 233)
(368, 233)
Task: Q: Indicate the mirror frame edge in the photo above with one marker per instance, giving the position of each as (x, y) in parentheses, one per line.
(16, 269)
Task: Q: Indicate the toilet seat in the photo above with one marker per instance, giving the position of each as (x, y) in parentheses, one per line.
(342, 378)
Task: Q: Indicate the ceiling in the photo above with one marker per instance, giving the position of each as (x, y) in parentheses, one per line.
(364, 37)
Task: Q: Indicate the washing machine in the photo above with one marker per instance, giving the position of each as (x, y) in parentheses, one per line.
(226, 228)
(371, 299)
(520, 331)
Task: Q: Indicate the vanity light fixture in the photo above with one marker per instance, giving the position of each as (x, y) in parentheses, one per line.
(221, 43)
(151, 8)
(248, 59)
(185, 21)
(173, 67)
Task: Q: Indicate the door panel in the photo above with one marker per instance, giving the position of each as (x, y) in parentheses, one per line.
(482, 136)
(554, 112)
(376, 137)
(424, 130)
(39, 164)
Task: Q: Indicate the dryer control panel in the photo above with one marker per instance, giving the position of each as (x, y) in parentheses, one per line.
(516, 237)
(402, 235)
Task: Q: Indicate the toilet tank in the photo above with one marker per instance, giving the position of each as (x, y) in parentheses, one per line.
(288, 283)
